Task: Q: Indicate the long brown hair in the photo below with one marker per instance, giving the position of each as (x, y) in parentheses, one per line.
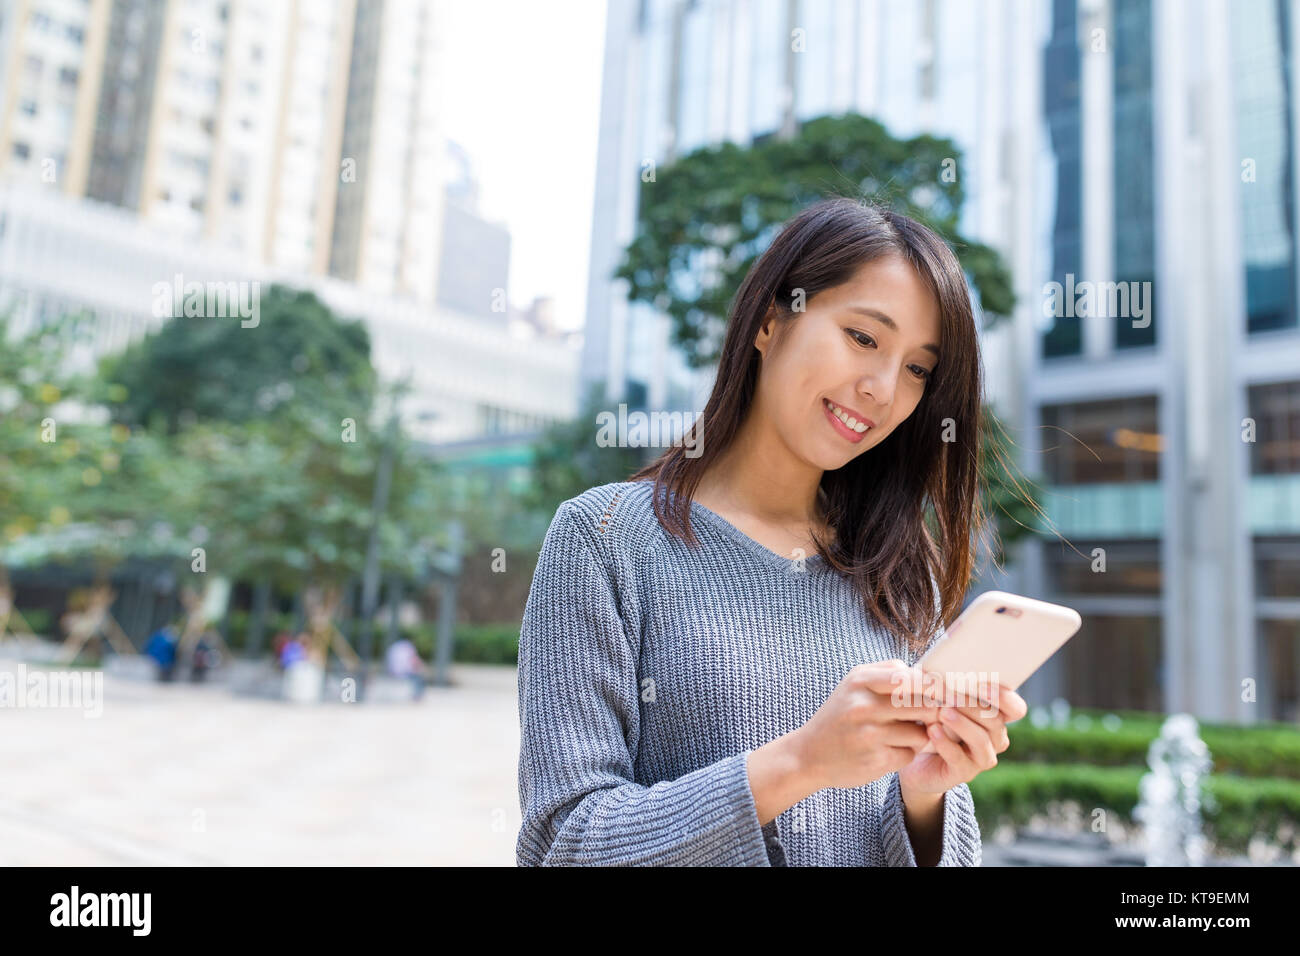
(876, 503)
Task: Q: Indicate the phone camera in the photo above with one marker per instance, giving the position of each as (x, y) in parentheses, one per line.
(1002, 610)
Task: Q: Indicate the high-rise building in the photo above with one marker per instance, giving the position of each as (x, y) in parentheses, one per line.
(1142, 150)
(388, 221)
(305, 135)
(52, 55)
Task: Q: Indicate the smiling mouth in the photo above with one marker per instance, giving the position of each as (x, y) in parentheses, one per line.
(840, 420)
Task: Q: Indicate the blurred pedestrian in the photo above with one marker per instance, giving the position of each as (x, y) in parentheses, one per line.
(403, 660)
(162, 648)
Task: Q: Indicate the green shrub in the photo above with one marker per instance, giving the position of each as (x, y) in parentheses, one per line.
(1235, 808)
(1260, 750)
(471, 644)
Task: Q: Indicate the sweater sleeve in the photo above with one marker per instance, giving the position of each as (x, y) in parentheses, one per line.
(962, 845)
(580, 722)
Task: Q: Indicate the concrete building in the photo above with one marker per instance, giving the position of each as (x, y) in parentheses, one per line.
(1142, 149)
(52, 57)
(470, 380)
(388, 217)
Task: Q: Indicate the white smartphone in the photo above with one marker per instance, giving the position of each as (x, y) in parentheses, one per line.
(999, 637)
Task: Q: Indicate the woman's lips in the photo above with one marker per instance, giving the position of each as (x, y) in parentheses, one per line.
(845, 431)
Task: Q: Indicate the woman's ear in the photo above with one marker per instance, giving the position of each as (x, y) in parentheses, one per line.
(767, 331)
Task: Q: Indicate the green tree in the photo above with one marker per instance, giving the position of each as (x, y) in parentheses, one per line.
(208, 369)
(275, 436)
(70, 483)
(704, 220)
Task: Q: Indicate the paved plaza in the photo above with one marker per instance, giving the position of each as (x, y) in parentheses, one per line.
(192, 774)
(224, 774)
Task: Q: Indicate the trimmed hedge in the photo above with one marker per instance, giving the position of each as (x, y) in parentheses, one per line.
(1235, 808)
(1259, 750)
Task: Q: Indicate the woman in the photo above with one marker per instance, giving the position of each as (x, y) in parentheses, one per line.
(709, 650)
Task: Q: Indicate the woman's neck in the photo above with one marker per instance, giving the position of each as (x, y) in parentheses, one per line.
(758, 476)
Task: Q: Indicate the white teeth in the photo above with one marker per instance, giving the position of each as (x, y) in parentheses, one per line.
(843, 416)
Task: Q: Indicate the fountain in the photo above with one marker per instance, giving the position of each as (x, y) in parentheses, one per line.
(1169, 803)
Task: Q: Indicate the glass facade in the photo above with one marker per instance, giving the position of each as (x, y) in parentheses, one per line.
(693, 87)
(1116, 659)
(1134, 179)
(770, 43)
(1261, 65)
(815, 64)
(1277, 592)
(1275, 410)
(1061, 76)
(1116, 440)
(1131, 567)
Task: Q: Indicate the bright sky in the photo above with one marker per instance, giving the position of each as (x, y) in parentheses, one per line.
(524, 100)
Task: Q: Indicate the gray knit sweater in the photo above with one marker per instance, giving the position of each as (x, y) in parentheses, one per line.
(648, 672)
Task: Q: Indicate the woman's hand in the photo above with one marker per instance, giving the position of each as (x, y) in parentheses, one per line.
(862, 732)
(966, 741)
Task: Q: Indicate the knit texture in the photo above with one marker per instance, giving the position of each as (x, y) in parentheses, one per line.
(650, 670)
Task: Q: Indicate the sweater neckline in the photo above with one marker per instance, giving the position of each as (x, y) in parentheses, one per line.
(760, 551)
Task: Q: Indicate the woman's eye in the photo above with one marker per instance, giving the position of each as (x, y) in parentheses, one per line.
(917, 370)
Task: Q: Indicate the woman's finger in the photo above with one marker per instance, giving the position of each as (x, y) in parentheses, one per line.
(975, 736)
(952, 752)
(994, 724)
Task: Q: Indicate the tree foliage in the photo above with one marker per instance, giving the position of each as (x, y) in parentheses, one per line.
(704, 219)
(214, 369)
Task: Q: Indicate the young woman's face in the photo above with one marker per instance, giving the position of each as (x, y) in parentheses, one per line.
(872, 365)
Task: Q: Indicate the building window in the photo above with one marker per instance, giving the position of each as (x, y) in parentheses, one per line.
(1261, 54)
(1275, 410)
(1279, 660)
(1277, 589)
(1063, 335)
(1117, 440)
(22, 151)
(1277, 567)
(1114, 662)
(1130, 567)
(68, 76)
(1134, 210)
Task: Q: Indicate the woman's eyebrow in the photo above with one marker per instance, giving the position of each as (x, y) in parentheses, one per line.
(889, 323)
